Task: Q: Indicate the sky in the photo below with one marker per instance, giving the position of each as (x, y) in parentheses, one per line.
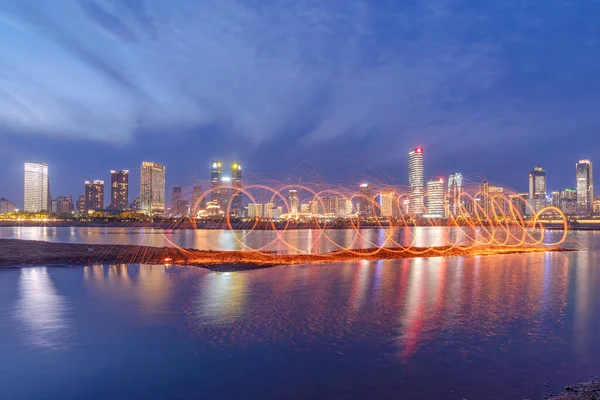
(344, 87)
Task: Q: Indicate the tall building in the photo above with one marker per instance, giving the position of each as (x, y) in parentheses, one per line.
(519, 201)
(119, 190)
(64, 205)
(7, 206)
(585, 188)
(81, 205)
(37, 187)
(330, 205)
(198, 201)
(415, 182)
(342, 207)
(435, 198)
(455, 183)
(176, 201)
(94, 196)
(387, 202)
(293, 199)
(216, 182)
(236, 186)
(365, 202)
(568, 201)
(537, 189)
(152, 188)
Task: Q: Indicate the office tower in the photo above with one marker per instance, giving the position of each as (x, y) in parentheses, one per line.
(7, 206)
(455, 182)
(596, 207)
(64, 205)
(435, 198)
(236, 186)
(330, 205)
(81, 205)
(342, 207)
(585, 188)
(568, 201)
(537, 189)
(293, 199)
(152, 188)
(198, 201)
(415, 182)
(555, 199)
(176, 201)
(119, 190)
(387, 202)
(94, 196)
(216, 182)
(37, 187)
(365, 202)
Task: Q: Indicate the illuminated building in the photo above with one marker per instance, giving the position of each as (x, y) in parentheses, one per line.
(64, 205)
(519, 202)
(330, 205)
(568, 201)
(81, 205)
(585, 187)
(455, 182)
(365, 202)
(596, 208)
(37, 187)
(342, 207)
(213, 208)
(255, 210)
(415, 182)
(387, 202)
(219, 194)
(136, 205)
(7, 206)
(268, 210)
(293, 200)
(555, 199)
(119, 190)
(435, 198)
(176, 200)
(316, 208)
(94, 196)
(537, 189)
(305, 208)
(152, 188)
(236, 194)
(198, 202)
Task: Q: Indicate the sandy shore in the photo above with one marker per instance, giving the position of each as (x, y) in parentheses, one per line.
(25, 252)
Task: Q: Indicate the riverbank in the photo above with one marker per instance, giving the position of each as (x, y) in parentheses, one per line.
(15, 252)
(583, 391)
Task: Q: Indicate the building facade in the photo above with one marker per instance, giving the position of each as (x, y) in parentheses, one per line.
(176, 201)
(365, 202)
(64, 205)
(387, 202)
(152, 188)
(94, 196)
(537, 189)
(585, 188)
(435, 198)
(119, 190)
(415, 182)
(7, 206)
(198, 200)
(236, 189)
(455, 183)
(37, 187)
(293, 201)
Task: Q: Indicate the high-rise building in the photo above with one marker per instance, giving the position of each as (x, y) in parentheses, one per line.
(198, 201)
(435, 198)
(176, 201)
(387, 202)
(152, 188)
(455, 183)
(293, 199)
(568, 201)
(64, 205)
(519, 201)
(330, 205)
(119, 190)
(537, 189)
(415, 182)
(236, 186)
(94, 196)
(216, 182)
(81, 205)
(7, 206)
(585, 187)
(255, 210)
(37, 187)
(342, 207)
(366, 206)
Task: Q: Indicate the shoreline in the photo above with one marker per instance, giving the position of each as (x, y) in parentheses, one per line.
(15, 252)
(581, 391)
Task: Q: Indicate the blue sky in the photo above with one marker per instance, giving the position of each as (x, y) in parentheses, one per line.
(348, 87)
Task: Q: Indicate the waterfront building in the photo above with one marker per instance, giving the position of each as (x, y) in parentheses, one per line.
(119, 190)
(365, 202)
(94, 196)
(219, 193)
(455, 183)
(568, 201)
(585, 187)
(415, 182)
(435, 198)
(236, 193)
(596, 208)
(342, 207)
(176, 199)
(136, 205)
(198, 201)
(64, 205)
(293, 201)
(537, 189)
(81, 205)
(7, 206)
(152, 188)
(37, 187)
(305, 208)
(330, 205)
(387, 202)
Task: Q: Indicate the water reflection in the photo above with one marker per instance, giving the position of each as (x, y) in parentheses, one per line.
(42, 312)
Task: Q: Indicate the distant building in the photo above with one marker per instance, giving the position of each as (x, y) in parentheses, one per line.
(219, 193)
(152, 188)
(81, 205)
(64, 205)
(492, 200)
(387, 202)
(597, 206)
(37, 187)
(330, 205)
(585, 187)
(455, 183)
(568, 201)
(537, 189)
(305, 208)
(236, 186)
(342, 207)
(94, 196)
(7, 206)
(366, 202)
(415, 182)
(255, 210)
(198, 200)
(435, 198)
(177, 206)
(293, 201)
(119, 190)
(519, 202)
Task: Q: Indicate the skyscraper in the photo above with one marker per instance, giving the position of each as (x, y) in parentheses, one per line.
(585, 187)
(415, 181)
(198, 202)
(119, 190)
(293, 199)
(537, 189)
(236, 194)
(365, 201)
(216, 182)
(387, 202)
(37, 187)
(94, 196)
(435, 198)
(568, 201)
(176, 201)
(152, 188)
(64, 205)
(455, 182)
